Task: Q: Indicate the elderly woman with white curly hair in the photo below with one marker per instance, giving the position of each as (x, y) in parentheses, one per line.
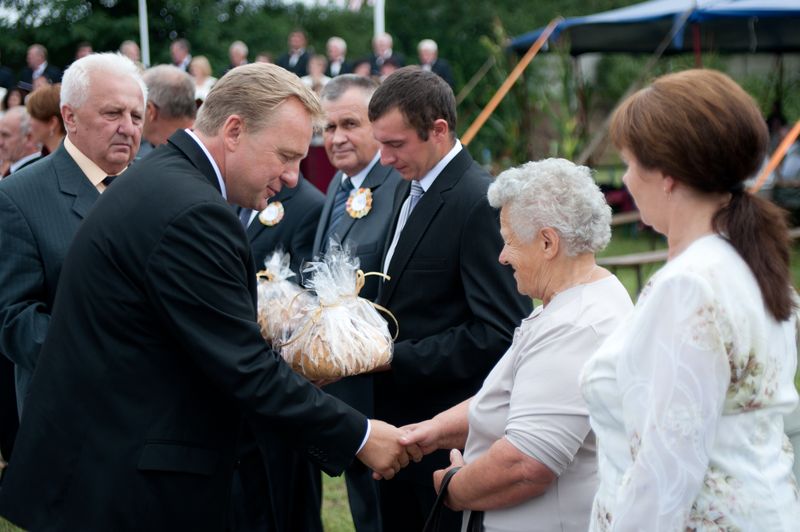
(529, 461)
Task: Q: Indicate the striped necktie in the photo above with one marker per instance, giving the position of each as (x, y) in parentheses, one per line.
(411, 201)
(244, 216)
(337, 211)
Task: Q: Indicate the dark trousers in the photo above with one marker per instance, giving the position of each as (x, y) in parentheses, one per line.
(405, 506)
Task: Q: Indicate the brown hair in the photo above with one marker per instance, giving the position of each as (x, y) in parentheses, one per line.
(704, 130)
(422, 97)
(45, 103)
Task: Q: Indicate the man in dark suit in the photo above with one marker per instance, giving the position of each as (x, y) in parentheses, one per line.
(16, 140)
(42, 205)
(456, 305)
(382, 52)
(296, 59)
(170, 105)
(428, 52)
(336, 50)
(154, 359)
(354, 152)
(36, 59)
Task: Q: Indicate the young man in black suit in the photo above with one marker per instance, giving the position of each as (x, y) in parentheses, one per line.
(153, 359)
(456, 305)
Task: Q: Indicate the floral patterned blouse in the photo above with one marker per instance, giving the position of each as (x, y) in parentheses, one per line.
(687, 400)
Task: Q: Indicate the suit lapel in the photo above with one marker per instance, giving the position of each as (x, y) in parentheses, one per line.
(73, 182)
(187, 145)
(283, 196)
(322, 226)
(422, 216)
(374, 179)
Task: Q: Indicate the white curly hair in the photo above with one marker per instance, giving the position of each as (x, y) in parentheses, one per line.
(554, 193)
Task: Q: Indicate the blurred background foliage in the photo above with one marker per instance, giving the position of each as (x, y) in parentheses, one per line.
(551, 111)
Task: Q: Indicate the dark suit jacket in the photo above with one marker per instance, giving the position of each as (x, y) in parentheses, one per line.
(152, 358)
(300, 68)
(41, 207)
(6, 77)
(442, 68)
(399, 60)
(294, 234)
(457, 306)
(365, 236)
(347, 68)
(51, 72)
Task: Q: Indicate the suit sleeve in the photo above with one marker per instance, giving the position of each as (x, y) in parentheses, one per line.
(24, 315)
(199, 283)
(303, 237)
(470, 349)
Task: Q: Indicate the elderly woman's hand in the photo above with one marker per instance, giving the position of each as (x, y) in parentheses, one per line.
(426, 434)
(456, 460)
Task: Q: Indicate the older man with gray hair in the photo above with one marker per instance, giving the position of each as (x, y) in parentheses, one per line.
(428, 52)
(154, 360)
(42, 205)
(17, 146)
(170, 105)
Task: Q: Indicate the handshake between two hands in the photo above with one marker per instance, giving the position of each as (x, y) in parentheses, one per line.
(389, 449)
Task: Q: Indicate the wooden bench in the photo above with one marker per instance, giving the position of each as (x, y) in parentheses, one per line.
(637, 260)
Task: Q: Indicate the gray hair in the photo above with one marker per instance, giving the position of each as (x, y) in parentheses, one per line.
(338, 41)
(554, 193)
(75, 84)
(240, 46)
(336, 87)
(24, 118)
(252, 92)
(428, 44)
(171, 90)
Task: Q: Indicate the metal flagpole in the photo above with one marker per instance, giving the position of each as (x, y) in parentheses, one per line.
(144, 35)
(379, 17)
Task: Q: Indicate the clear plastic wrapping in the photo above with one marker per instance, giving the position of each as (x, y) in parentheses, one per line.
(280, 301)
(340, 334)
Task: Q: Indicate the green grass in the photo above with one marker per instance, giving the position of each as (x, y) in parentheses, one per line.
(335, 508)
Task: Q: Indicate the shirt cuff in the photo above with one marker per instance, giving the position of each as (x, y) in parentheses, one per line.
(366, 437)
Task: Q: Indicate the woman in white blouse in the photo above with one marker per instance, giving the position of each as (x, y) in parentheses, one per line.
(687, 398)
(529, 460)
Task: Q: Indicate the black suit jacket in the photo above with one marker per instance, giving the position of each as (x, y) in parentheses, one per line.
(457, 306)
(41, 207)
(152, 359)
(51, 72)
(366, 236)
(300, 68)
(347, 68)
(6, 77)
(294, 234)
(442, 68)
(375, 63)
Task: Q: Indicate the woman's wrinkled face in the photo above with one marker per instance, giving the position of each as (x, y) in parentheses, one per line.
(526, 258)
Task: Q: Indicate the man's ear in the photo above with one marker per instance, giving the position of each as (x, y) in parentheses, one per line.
(70, 121)
(150, 112)
(440, 129)
(232, 131)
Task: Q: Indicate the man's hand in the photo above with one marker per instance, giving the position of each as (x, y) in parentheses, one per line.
(383, 452)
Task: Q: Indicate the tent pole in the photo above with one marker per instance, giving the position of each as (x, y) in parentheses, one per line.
(601, 133)
(479, 75)
(698, 56)
(509, 82)
(776, 158)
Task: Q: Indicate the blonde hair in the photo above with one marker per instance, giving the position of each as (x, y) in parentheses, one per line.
(252, 92)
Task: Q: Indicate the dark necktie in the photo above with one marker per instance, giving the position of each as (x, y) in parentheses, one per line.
(337, 211)
(244, 216)
(108, 180)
